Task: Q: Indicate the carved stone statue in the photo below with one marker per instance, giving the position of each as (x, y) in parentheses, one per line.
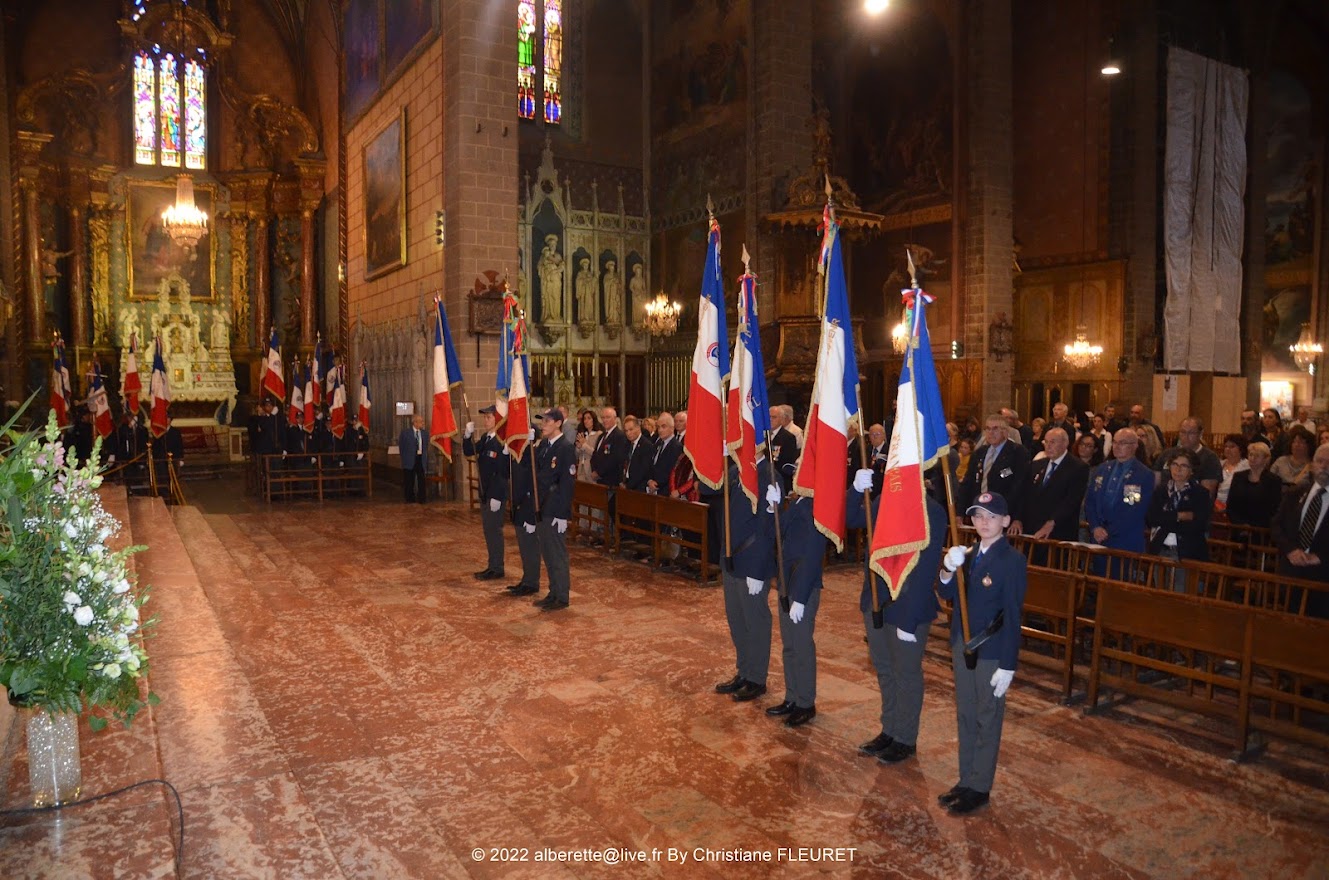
(612, 284)
(129, 327)
(585, 287)
(221, 336)
(550, 269)
(637, 292)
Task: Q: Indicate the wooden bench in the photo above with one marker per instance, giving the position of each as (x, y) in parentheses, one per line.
(1054, 595)
(635, 514)
(1290, 677)
(590, 506)
(676, 519)
(319, 474)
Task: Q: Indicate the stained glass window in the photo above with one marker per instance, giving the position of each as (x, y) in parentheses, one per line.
(196, 120)
(145, 110)
(526, 60)
(168, 107)
(553, 61)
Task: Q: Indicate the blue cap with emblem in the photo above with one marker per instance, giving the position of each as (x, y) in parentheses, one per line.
(989, 502)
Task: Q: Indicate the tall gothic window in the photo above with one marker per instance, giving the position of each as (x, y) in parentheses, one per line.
(170, 110)
(546, 45)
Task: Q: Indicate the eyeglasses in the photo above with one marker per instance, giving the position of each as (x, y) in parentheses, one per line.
(1180, 464)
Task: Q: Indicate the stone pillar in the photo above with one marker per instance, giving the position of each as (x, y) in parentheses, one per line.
(308, 312)
(987, 231)
(30, 146)
(262, 296)
(78, 280)
(1142, 88)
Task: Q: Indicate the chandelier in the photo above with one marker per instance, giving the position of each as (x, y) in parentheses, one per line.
(1306, 351)
(184, 222)
(1081, 353)
(661, 316)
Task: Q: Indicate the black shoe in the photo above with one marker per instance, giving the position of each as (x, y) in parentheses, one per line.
(895, 753)
(483, 575)
(554, 605)
(956, 791)
(548, 597)
(749, 691)
(876, 745)
(968, 802)
(782, 709)
(523, 590)
(728, 687)
(800, 716)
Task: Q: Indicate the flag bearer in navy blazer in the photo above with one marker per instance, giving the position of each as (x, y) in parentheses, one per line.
(803, 551)
(746, 583)
(491, 463)
(897, 648)
(556, 473)
(995, 574)
(524, 520)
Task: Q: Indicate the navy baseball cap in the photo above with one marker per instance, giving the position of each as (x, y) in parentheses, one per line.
(989, 502)
(554, 414)
(489, 410)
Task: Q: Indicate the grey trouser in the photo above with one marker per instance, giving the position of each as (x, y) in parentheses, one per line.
(528, 545)
(492, 522)
(554, 551)
(749, 626)
(978, 717)
(899, 666)
(800, 654)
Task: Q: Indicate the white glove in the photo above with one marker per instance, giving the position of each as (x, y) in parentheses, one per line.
(470, 429)
(954, 557)
(530, 435)
(773, 498)
(1001, 680)
(754, 586)
(495, 505)
(863, 480)
(560, 525)
(359, 456)
(530, 528)
(796, 612)
(110, 460)
(283, 453)
(905, 635)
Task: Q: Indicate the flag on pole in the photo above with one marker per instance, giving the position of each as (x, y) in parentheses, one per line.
(311, 395)
(447, 373)
(919, 439)
(272, 380)
(749, 405)
(161, 391)
(61, 393)
(365, 402)
(822, 467)
(297, 407)
(704, 441)
(99, 404)
(337, 409)
(314, 396)
(131, 388)
(515, 428)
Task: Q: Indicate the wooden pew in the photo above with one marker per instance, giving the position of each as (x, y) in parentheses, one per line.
(1291, 675)
(687, 517)
(590, 506)
(635, 514)
(1054, 595)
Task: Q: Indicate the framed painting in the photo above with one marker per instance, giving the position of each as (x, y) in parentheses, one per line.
(361, 25)
(406, 24)
(385, 199)
(152, 254)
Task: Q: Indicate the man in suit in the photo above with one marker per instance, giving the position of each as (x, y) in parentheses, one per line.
(491, 463)
(525, 520)
(1138, 419)
(680, 425)
(611, 451)
(1301, 535)
(783, 447)
(746, 575)
(641, 454)
(1116, 502)
(1061, 418)
(556, 473)
(994, 583)
(413, 444)
(878, 447)
(664, 456)
(1050, 504)
(131, 441)
(999, 465)
(1111, 423)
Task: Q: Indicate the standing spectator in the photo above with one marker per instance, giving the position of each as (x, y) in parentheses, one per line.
(1111, 423)
(1036, 429)
(1294, 468)
(1148, 450)
(1255, 493)
(1234, 462)
(1118, 497)
(1179, 513)
(1102, 436)
(413, 444)
(966, 451)
(640, 457)
(610, 453)
(1272, 422)
(1088, 451)
(1207, 468)
(1300, 533)
(1251, 427)
(1019, 431)
(1061, 418)
(999, 466)
(1138, 420)
(1050, 504)
(665, 455)
(783, 446)
(1304, 420)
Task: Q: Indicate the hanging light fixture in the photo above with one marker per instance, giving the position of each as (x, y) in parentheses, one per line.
(183, 221)
(900, 334)
(661, 316)
(1082, 353)
(1306, 351)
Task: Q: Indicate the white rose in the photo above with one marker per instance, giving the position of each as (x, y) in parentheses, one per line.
(131, 663)
(131, 613)
(71, 529)
(83, 616)
(122, 587)
(72, 598)
(103, 534)
(111, 671)
(84, 570)
(99, 576)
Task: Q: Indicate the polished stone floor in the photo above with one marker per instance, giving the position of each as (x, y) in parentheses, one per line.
(341, 699)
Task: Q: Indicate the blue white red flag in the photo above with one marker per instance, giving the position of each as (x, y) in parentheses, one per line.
(99, 404)
(337, 408)
(161, 392)
(704, 441)
(272, 380)
(311, 395)
(314, 397)
(447, 373)
(131, 388)
(365, 402)
(513, 398)
(61, 393)
(901, 529)
(749, 405)
(296, 411)
(822, 467)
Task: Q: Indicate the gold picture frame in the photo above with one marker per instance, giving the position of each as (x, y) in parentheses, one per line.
(152, 254)
(384, 162)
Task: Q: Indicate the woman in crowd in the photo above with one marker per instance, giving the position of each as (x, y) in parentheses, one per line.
(965, 449)
(1088, 450)
(1254, 493)
(1294, 469)
(588, 431)
(1098, 429)
(1036, 427)
(972, 431)
(1234, 462)
(1322, 437)
(1179, 513)
(1149, 448)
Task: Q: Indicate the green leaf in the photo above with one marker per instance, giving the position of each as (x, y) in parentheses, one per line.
(153, 699)
(96, 722)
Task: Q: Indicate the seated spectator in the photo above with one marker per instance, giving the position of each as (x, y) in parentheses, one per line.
(1254, 494)
(1234, 462)
(1088, 450)
(1294, 469)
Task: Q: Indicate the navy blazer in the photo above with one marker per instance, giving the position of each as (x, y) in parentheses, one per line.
(664, 457)
(610, 456)
(1191, 540)
(522, 486)
(1057, 499)
(491, 463)
(804, 550)
(1286, 532)
(917, 601)
(637, 469)
(556, 475)
(1120, 502)
(406, 445)
(994, 582)
(751, 535)
(1007, 476)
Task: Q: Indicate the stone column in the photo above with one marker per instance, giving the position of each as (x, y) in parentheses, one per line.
(78, 280)
(30, 146)
(262, 295)
(308, 312)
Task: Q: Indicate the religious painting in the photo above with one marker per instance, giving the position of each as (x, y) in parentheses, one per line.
(360, 27)
(699, 67)
(385, 199)
(152, 254)
(1277, 395)
(1290, 155)
(1286, 307)
(406, 23)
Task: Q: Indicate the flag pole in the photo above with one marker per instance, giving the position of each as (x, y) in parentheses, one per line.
(878, 620)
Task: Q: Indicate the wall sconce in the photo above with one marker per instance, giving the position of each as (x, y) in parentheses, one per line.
(1001, 337)
(440, 227)
(957, 349)
(1146, 345)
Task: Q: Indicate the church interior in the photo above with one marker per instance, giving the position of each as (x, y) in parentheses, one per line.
(208, 181)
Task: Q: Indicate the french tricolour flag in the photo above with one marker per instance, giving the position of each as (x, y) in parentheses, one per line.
(161, 391)
(822, 467)
(337, 409)
(297, 408)
(447, 373)
(516, 426)
(901, 529)
(311, 395)
(98, 403)
(61, 393)
(272, 380)
(704, 441)
(132, 387)
(365, 402)
(749, 406)
(314, 395)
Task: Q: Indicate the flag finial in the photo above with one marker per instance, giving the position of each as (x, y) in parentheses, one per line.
(747, 269)
(710, 207)
(913, 274)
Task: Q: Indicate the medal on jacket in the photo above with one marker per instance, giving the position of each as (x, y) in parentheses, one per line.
(553, 462)
(987, 580)
(1131, 493)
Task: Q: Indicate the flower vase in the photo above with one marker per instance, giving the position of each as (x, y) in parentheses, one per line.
(53, 759)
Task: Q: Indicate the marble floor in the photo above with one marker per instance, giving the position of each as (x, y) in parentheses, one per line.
(339, 698)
